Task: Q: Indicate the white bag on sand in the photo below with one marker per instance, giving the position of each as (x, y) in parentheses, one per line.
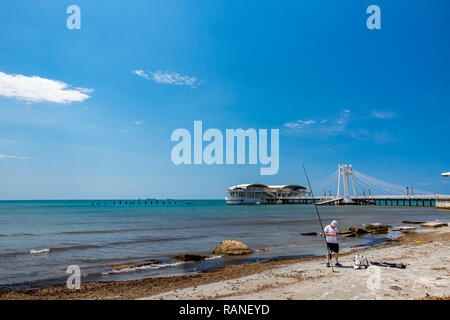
(360, 262)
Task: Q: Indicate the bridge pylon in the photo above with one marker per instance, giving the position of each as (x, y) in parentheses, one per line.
(346, 172)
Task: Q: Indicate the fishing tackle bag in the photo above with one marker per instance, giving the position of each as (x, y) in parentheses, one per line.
(360, 262)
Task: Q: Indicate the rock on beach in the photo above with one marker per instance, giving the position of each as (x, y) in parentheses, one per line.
(232, 247)
(308, 233)
(434, 224)
(189, 257)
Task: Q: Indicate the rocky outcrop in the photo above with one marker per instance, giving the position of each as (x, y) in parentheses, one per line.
(434, 224)
(404, 228)
(378, 228)
(232, 247)
(358, 230)
(347, 233)
(413, 222)
(189, 257)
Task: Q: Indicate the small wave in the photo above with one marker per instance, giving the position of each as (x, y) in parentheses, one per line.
(17, 235)
(286, 245)
(39, 251)
(34, 251)
(267, 222)
(213, 257)
(74, 248)
(150, 240)
(98, 231)
(146, 267)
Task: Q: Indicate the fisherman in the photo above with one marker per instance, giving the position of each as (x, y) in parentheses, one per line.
(331, 233)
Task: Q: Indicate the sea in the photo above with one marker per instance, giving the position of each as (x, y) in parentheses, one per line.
(39, 240)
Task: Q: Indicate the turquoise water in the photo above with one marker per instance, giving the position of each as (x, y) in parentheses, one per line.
(96, 234)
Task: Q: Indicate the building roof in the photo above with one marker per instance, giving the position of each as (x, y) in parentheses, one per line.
(258, 185)
(246, 186)
(288, 186)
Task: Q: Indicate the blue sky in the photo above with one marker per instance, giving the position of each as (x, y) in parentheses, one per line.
(89, 126)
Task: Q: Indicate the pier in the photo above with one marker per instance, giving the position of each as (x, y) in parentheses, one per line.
(353, 188)
(136, 203)
(391, 201)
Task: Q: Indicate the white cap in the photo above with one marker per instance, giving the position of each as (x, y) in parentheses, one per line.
(334, 223)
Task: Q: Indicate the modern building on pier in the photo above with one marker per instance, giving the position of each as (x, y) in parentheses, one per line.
(262, 194)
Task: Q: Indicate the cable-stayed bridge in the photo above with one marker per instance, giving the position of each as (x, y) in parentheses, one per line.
(351, 187)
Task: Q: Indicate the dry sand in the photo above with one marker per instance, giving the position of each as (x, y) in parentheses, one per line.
(425, 252)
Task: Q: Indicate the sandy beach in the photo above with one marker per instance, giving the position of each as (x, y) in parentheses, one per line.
(424, 251)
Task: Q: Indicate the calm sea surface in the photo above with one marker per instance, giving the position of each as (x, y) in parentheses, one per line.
(97, 234)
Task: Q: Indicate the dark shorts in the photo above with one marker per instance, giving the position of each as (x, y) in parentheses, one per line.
(334, 247)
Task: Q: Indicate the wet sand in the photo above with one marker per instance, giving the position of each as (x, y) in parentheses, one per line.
(425, 252)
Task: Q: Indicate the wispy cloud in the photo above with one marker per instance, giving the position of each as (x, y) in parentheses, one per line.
(6, 156)
(382, 114)
(141, 73)
(169, 78)
(138, 123)
(123, 130)
(344, 124)
(37, 89)
(323, 126)
(299, 123)
(5, 141)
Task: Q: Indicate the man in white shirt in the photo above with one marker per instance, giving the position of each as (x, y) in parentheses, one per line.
(331, 233)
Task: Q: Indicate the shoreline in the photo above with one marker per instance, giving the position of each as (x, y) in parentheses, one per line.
(187, 286)
(53, 283)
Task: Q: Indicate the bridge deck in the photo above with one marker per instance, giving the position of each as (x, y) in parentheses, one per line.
(378, 200)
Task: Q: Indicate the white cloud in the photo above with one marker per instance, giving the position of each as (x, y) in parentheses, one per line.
(37, 89)
(169, 78)
(299, 124)
(383, 114)
(138, 122)
(123, 130)
(324, 126)
(306, 122)
(141, 73)
(6, 156)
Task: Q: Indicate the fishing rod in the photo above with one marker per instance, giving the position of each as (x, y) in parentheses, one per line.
(317, 210)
